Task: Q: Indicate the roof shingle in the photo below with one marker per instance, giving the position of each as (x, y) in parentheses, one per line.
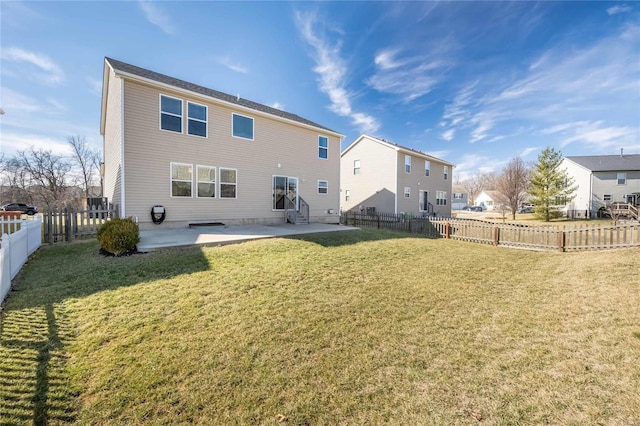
(608, 163)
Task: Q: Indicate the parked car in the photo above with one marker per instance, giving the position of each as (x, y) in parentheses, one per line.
(525, 210)
(476, 208)
(21, 207)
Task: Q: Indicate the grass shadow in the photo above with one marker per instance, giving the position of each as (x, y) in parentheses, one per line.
(344, 238)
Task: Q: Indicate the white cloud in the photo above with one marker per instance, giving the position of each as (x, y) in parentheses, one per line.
(409, 77)
(601, 138)
(482, 130)
(332, 71)
(438, 154)
(277, 105)
(233, 66)
(34, 66)
(448, 134)
(13, 142)
(13, 102)
(619, 8)
(157, 16)
(528, 151)
(95, 85)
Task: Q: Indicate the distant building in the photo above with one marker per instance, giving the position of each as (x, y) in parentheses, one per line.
(459, 197)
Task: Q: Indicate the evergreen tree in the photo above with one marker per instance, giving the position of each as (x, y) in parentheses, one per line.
(550, 186)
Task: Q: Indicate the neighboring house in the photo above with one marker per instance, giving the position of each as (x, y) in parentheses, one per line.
(489, 200)
(602, 179)
(381, 176)
(206, 156)
(459, 197)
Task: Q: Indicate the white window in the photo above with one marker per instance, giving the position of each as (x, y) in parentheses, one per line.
(606, 197)
(441, 198)
(242, 126)
(228, 183)
(181, 180)
(170, 114)
(206, 181)
(407, 164)
(622, 178)
(356, 167)
(446, 172)
(347, 194)
(458, 195)
(427, 167)
(196, 119)
(323, 187)
(323, 147)
(407, 192)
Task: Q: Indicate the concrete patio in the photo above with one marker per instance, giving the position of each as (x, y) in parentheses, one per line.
(217, 235)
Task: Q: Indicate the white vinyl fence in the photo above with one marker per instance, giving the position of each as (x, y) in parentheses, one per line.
(20, 238)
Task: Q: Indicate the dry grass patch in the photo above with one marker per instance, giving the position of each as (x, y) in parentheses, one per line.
(348, 328)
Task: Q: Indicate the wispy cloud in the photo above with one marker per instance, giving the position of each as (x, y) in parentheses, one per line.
(596, 135)
(447, 135)
(331, 68)
(35, 66)
(14, 142)
(277, 105)
(528, 151)
(233, 66)
(157, 16)
(619, 8)
(95, 85)
(406, 76)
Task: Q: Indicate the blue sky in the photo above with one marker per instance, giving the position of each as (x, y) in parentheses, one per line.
(473, 83)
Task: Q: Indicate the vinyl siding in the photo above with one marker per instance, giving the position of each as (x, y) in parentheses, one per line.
(375, 185)
(607, 183)
(112, 140)
(417, 181)
(277, 149)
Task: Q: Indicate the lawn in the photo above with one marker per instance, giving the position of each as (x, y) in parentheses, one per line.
(362, 327)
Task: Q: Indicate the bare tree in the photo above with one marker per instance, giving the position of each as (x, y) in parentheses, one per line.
(45, 173)
(86, 160)
(476, 184)
(512, 184)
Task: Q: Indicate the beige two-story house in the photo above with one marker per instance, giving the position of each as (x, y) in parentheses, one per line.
(199, 155)
(381, 176)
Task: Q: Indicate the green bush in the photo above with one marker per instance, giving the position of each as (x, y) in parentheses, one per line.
(119, 236)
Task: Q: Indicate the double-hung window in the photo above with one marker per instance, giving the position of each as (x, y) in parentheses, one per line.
(170, 114)
(446, 172)
(347, 194)
(323, 147)
(323, 187)
(228, 183)
(606, 198)
(407, 164)
(356, 167)
(242, 126)
(427, 167)
(622, 178)
(181, 180)
(196, 119)
(407, 192)
(206, 176)
(441, 198)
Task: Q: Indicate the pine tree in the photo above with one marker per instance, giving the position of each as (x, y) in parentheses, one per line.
(550, 186)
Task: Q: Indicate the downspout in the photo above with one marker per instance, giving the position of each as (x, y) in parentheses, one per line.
(122, 187)
(395, 208)
(591, 194)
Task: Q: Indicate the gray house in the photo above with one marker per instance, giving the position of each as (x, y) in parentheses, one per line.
(382, 176)
(205, 156)
(602, 179)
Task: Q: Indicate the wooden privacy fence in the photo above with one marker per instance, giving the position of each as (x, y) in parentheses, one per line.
(69, 224)
(560, 238)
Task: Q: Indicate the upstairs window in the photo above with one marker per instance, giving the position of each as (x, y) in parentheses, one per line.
(356, 167)
(196, 119)
(323, 187)
(206, 181)
(446, 172)
(622, 178)
(458, 195)
(228, 183)
(441, 198)
(427, 167)
(323, 147)
(242, 126)
(170, 114)
(181, 180)
(407, 164)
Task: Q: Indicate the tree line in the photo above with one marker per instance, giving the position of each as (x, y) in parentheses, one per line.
(49, 180)
(543, 184)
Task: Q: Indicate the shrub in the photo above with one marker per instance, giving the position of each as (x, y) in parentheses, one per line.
(119, 236)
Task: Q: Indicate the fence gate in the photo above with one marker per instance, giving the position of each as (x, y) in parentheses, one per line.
(70, 224)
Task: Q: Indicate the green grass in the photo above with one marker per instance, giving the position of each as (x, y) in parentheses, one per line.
(360, 327)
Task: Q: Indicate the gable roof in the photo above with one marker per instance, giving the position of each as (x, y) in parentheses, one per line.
(127, 70)
(397, 147)
(607, 163)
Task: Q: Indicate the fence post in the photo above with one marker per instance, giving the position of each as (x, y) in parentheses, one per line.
(561, 240)
(447, 230)
(496, 236)
(378, 215)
